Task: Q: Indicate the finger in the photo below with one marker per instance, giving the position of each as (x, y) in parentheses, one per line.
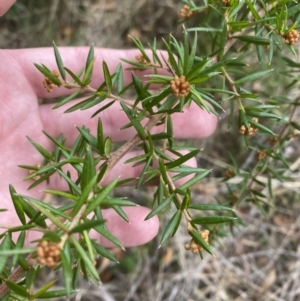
(5, 6)
(74, 58)
(136, 232)
(193, 123)
(120, 171)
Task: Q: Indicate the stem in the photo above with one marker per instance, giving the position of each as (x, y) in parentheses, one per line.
(233, 88)
(16, 275)
(119, 153)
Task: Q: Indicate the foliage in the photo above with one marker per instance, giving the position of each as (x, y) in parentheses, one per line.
(214, 75)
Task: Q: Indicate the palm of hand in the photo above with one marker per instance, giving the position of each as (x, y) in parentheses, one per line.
(21, 116)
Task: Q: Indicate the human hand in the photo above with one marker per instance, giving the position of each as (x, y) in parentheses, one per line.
(5, 6)
(21, 115)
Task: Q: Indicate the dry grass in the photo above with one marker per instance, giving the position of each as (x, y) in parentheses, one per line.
(261, 261)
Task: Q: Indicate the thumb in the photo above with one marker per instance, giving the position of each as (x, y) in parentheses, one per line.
(5, 6)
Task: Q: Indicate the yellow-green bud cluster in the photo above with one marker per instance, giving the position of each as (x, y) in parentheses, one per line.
(48, 253)
(48, 84)
(192, 245)
(179, 86)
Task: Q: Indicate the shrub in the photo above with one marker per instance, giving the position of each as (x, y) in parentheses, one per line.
(222, 63)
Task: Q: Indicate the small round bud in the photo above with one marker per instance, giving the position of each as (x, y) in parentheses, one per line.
(179, 87)
(41, 261)
(55, 73)
(187, 246)
(291, 37)
(40, 251)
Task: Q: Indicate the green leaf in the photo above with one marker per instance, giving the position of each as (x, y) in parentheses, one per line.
(143, 173)
(196, 70)
(117, 202)
(172, 59)
(206, 220)
(19, 245)
(160, 207)
(85, 195)
(75, 77)
(59, 62)
(52, 236)
(171, 227)
(4, 248)
(107, 77)
(30, 276)
(41, 179)
(194, 180)
(95, 202)
(137, 158)
(87, 225)
(90, 58)
(103, 108)
(140, 46)
(44, 289)
(47, 212)
(252, 77)
(293, 10)
(120, 79)
(88, 72)
(163, 170)
(186, 200)
(261, 127)
(182, 159)
(17, 204)
(253, 10)
(66, 195)
(55, 294)
(80, 105)
(187, 169)
(18, 289)
(67, 99)
(155, 99)
(104, 232)
(204, 29)
(67, 268)
(46, 206)
(89, 170)
(35, 216)
(295, 125)
(87, 261)
(137, 65)
(103, 252)
(197, 98)
(204, 207)
(57, 142)
(40, 149)
(121, 212)
(135, 122)
(200, 241)
(223, 39)
(70, 182)
(107, 146)
(160, 136)
(100, 137)
(186, 47)
(43, 69)
(21, 228)
(253, 40)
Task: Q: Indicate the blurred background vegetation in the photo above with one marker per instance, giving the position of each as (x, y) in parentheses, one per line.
(261, 261)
